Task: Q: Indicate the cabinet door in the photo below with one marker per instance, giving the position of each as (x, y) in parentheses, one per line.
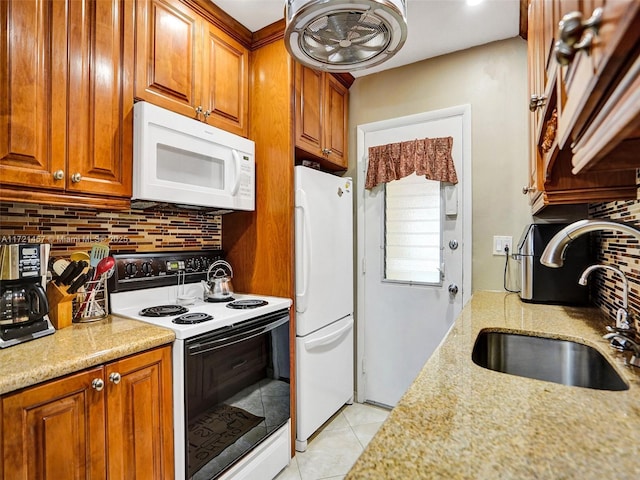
(309, 86)
(225, 81)
(101, 107)
(592, 72)
(168, 55)
(336, 106)
(33, 94)
(55, 430)
(140, 416)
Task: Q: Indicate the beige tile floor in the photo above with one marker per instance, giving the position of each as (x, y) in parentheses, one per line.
(337, 444)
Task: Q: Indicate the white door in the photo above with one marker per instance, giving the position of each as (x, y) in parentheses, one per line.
(414, 249)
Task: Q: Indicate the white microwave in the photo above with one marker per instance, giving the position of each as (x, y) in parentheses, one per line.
(182, 161)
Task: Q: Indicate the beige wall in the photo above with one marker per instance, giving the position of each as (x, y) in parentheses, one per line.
(493, 80)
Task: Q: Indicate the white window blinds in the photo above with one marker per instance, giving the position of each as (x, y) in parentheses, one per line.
(412, 236)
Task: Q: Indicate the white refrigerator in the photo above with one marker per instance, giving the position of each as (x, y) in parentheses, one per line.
(324, 298)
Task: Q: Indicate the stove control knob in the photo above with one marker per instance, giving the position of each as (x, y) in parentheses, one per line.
(146, 268)
(197, 264)
(131, 269)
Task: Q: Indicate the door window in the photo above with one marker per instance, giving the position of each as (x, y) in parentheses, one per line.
(412, 231)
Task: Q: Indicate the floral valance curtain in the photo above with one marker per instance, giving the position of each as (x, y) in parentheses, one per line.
(430, 157)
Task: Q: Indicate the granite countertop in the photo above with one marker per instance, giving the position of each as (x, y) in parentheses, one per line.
(459, 420)
(75, 348)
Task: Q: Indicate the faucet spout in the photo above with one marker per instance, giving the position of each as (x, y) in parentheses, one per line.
(622, 315)
(554, 254)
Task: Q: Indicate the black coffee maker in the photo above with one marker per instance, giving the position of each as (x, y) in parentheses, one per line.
(23, 301)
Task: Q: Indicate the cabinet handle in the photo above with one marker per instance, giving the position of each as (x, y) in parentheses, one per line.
(115, 378)
(76, 178)
(536, 101)
(527, 190)
(576, 35)
(97, 384)
(58, 175)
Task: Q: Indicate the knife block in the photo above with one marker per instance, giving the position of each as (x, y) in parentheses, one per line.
(60, 305)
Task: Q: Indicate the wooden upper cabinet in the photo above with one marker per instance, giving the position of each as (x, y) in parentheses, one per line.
(599, 108)
(563, 100)
(186, 64)
(113, 421)
(66, 100)
(33, 94)
(168, 55)
(100, 135)
(225, 82)
(321, 107)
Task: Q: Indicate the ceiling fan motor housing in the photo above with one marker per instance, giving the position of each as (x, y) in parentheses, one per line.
(344, 35)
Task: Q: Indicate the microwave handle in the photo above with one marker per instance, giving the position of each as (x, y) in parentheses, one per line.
(236, 158)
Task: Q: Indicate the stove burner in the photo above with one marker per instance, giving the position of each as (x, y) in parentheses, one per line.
(219, 300)
(163, 311)
(191, 318)
(247, 304)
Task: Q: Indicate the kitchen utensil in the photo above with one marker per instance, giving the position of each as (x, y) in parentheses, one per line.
(98, 252)
(183, 298)
(102, 269)
(80, 267)
(59, 266)
(218, 286)
(77, 283)
(77, 256)
(65, 277)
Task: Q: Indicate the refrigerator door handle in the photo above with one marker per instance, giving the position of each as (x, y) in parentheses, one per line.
(301, 297)
(327, 339)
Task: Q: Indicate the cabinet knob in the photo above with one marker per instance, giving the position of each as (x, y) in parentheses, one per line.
(207, 113)
(326, 151)
(576, 34)
(199, 110)
(115, 378)
(58, 175)
(536, 101)
(97, 384)
(76, 178)
(527, 190)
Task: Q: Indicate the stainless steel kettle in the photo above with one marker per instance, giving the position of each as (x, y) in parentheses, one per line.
(218, 286)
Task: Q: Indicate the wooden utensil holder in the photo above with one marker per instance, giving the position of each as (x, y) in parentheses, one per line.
(60, 305)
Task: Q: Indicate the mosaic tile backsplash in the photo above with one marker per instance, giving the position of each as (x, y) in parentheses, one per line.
(70, 229)
(618, 250)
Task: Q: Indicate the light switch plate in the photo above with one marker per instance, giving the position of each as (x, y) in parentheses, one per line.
(499, 242)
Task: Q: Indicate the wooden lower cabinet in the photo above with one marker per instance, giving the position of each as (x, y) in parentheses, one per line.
(72, 428)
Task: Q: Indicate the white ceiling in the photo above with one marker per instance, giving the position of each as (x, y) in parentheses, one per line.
(435, 27)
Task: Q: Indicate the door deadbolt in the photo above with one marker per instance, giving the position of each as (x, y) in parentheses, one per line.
(453, 244)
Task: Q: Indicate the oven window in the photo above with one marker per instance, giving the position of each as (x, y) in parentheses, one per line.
(237, 392)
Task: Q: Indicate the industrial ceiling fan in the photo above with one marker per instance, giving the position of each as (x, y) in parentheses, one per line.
(344, 35)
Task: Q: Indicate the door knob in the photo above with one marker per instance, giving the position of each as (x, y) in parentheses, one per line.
(453, 289)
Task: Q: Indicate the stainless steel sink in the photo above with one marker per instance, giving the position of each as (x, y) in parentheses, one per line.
(543, 358)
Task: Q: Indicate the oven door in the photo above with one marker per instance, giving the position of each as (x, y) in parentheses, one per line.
(236, 392)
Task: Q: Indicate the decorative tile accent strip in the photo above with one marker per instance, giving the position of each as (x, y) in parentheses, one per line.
(618, 250)
(70, 229)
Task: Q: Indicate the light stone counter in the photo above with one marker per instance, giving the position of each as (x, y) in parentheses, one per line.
(75, 348)
(461, 421)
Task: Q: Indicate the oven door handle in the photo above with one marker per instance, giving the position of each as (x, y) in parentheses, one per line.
(218, 343)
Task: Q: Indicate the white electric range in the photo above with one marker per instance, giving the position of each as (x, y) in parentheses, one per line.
(230, 364)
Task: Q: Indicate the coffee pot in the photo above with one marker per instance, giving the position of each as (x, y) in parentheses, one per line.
(218, 286)
(20, 303)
